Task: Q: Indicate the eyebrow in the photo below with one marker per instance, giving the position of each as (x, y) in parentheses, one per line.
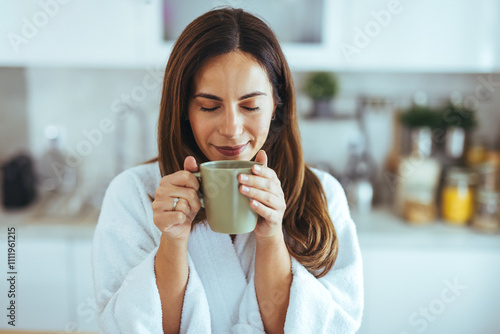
(213, 97)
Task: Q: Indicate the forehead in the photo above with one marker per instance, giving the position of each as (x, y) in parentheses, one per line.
(232, 71)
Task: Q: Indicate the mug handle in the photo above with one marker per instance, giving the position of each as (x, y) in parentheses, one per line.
(199, 192)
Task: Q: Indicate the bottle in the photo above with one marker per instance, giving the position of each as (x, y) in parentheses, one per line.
(487, 215)
(54, 174)
(457, 204)
(416, 189)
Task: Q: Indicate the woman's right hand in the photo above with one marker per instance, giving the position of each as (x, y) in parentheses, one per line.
(175, 222)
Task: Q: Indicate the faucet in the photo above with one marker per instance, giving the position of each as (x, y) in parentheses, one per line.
(122, 156)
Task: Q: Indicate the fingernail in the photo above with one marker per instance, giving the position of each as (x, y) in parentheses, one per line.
(257, 168)
(255, 203)
(244, 178)
(244, 189)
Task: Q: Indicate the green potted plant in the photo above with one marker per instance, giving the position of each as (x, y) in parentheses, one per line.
(420, 122)
(457, 122)
(321, 87)
(457, 116)
(421, 116)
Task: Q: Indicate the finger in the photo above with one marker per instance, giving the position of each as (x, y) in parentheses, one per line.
(167, 219)
(181, 178)
(164, 199)
(261, 157)
(265, 172)
(265, 197)
(187, 196)
(190, 164)
(183, 206)
(264, 211)
(263, 183)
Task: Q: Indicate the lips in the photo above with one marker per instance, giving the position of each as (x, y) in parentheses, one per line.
(231, 150)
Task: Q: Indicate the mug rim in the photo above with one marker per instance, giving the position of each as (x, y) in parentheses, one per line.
(245, 164)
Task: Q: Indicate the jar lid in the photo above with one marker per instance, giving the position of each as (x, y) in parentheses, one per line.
(487, 197)
(422, 195)
(460, 175)
(487, 168)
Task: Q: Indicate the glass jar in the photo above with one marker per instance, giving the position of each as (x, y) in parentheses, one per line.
(476, 153)
(420, 206)
(457, 200)
(417, 187)
(487, 215)
(488, 177)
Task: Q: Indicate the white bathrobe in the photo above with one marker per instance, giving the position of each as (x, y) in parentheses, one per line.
(220, 295)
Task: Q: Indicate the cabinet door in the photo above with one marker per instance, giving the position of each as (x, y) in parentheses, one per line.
(422, 35)
(43, 284)
(440, 290)
(308, 41)
(84, 309)
(68, 33)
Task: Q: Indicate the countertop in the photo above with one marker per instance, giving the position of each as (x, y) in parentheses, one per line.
(30, 223)
(380, 228)
(383, 228)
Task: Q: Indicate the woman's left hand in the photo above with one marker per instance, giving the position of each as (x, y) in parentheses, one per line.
(267, 198)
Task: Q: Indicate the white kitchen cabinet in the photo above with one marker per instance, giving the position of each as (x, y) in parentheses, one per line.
(84, 310)
(430, 290)
(54, 287)
(69, 33)
(302, 56)
(43, 284)
(424, 35)
(373, 35)
(361, 35)
(427, 279)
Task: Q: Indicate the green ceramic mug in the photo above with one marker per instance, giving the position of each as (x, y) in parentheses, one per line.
(228, 210)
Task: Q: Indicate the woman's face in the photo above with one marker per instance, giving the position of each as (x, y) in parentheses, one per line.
(231, 108)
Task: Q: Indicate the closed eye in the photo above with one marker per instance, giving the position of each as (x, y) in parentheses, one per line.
(209, 109)
(251, 109)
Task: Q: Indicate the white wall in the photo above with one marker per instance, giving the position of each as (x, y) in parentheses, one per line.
(78, 100)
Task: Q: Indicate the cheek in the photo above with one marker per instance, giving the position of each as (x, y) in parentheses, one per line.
(198, 127)
(261, 127)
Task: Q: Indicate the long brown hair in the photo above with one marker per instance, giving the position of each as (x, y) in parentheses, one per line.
(309, 232)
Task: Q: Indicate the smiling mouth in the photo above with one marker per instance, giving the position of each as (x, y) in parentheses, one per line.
(231, 150)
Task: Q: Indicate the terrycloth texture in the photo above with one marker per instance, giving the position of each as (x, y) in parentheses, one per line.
(220, 295)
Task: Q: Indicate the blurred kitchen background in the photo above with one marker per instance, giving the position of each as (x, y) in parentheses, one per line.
(400, 100)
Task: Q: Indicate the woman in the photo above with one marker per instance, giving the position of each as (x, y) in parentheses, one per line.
(227, 94)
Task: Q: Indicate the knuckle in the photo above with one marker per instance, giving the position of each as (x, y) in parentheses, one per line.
(185, 176)
(180, 217)
(180, 206)
(194, 205)
(166, 179)
(193, 196)
(186, 207)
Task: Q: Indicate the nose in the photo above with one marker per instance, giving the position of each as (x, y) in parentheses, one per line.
(231, 125)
